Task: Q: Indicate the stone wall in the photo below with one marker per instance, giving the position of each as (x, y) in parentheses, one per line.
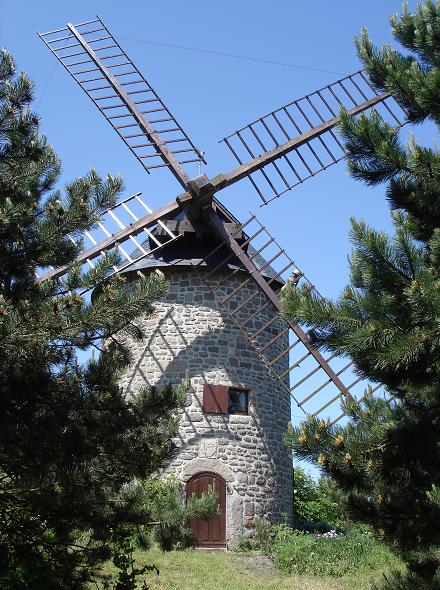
(191, 332)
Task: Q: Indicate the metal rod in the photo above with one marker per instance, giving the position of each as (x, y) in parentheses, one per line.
(261, 268)
(243, 304)
(95, 49)
(266, 325)
(283, 353)
(257, 137)
(120, 74)
(158, 165)
(128, 82)
(253, 315)
(347, 93)
(236, 290)
(253, 156)
(265, 245)
(220, 265)
(117, 127)
(124, 63)
(291, 166)
(70, 36)
(73, 55)
(295, 365)
(90, 80)
(85, 71)
(329, 403)
(332, 112)
(315, 370)
(89, 22)
(274, 339)
(329, 381)
(278, 275)
(254, 184)
(367, 82)
(51, 32)
(297, 151)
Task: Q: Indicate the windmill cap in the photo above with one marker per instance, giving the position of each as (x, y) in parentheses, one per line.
(192, 251)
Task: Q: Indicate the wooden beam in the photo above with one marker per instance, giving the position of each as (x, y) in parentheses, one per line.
(131, 230)
(229, 240)
(223, 180)
(166, 155)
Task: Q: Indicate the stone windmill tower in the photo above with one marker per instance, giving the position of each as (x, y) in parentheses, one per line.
(219, 322)
(231, 429)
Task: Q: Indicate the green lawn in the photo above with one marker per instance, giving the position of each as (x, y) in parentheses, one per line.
(216, 570)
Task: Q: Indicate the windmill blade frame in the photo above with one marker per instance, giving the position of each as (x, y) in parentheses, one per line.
(303, 129)
(101, 66)
(126, 241)
(297, 141)
(332, 377)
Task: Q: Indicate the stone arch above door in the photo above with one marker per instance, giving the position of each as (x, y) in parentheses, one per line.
(191, 468)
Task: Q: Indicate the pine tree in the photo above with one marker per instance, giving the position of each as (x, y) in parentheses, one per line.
(386, 459)
(69, 439)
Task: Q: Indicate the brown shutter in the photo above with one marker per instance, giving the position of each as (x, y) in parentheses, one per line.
(215, 398)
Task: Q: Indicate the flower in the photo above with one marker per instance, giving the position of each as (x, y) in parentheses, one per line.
(317, 436)
(339, 440)
(332, 535)
(302, 439)
(322, 459)
(347, 458)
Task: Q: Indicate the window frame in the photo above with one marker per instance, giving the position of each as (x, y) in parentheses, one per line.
(241, 389)
(216, 398)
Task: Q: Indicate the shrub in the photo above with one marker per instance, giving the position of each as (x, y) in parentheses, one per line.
(163, 500)
(332, 554)
(327, 553)
(316, 501)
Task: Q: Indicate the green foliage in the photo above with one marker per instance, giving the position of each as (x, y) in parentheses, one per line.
(124, 561)
(69, 439)
(168, 514)
(328, 553)
(316, 500)
(344, 555)
(386, 458)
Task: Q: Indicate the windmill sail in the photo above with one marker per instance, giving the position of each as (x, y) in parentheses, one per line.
(316, 384)
(276, 152)
(100, 66)
(297, 141)
(131, 227)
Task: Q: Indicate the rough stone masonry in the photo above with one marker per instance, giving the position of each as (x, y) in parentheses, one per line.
(190, 332)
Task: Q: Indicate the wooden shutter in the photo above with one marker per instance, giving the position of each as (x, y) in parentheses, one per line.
(215, 398)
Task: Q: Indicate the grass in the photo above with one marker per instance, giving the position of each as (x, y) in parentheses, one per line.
(352, 554)
(214, 570)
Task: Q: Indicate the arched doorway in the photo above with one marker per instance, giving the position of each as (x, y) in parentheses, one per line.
(209, 532)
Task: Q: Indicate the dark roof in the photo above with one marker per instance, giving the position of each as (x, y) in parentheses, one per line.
(190, 250)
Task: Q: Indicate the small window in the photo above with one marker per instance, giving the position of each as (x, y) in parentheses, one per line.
(223, 399)
(237, 401)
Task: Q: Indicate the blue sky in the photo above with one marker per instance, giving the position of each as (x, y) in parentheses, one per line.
(211, 95)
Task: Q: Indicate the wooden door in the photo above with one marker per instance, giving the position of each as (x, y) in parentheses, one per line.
(209, 532)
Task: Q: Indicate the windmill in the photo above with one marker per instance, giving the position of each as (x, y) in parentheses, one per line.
(233, 271)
